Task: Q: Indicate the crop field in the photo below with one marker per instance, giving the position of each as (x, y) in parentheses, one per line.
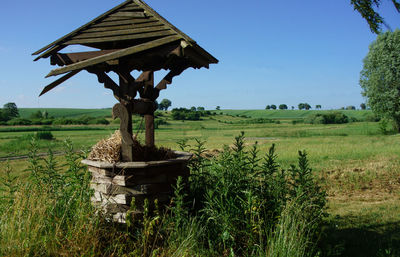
(356, 163)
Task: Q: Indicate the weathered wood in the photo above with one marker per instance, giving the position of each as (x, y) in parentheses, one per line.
(120, 32)
(151, 12)
(122, 112)
(120, 27)
(122, 22)
(102, 77)
(58, 82)
(80, 28)
(129, 14)
(149, 121)
(120, 38)
(66, 59)
(114, 55)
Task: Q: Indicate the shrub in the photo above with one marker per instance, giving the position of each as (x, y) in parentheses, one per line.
(19, 121)
(46, 135)
(327, 118)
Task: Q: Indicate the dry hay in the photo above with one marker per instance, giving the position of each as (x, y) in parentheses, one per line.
(109, 150)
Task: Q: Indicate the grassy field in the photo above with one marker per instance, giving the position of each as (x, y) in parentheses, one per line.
(355, 163)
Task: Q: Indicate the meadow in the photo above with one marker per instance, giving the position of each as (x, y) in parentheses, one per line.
(356, 163)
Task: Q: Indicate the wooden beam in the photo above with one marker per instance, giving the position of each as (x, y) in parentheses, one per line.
(82, 27)
(150, 11)
(120, 27)
(49, 52)
(103, 78)
(58, 82)
(149, 125)
(115, 55)
(120, 32)
(120, 38)
(106, 22)
(70, 58)
(129, 14)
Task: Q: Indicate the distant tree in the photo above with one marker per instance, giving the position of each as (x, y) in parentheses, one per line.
(380, 76)
(268, 107)
(10, 110)
(350, 107)
(273, 106)
(36, 115)
(218, 108)
(307, 106)
(165, 104)
(363, 106)
(318, 106)
(193, 109)
(342, 108)
(367, 9)
(292, 107)
(301, 106)
(283, 107)
(200, 108)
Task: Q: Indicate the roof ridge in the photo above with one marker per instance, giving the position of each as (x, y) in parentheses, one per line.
(147, 8)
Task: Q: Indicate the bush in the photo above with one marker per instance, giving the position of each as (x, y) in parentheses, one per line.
(46, 135)
(19, 121)
(327, 118)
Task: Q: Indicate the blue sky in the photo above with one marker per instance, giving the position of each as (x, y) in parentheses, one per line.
(270, 52)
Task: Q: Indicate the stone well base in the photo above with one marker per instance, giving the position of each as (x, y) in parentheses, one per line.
(116, 184)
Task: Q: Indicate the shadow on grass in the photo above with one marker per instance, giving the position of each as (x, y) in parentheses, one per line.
(371, 240)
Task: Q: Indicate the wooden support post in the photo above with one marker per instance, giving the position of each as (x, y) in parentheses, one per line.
(149, 121)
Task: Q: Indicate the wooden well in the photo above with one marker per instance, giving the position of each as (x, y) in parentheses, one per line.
(116, 184)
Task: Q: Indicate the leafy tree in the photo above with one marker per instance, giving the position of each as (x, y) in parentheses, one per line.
(283, 107)
(380, 76)
(218, 108)
(193, 109)
(165, 104)
(363, 106)
(292, 107)
(200, 108)
(268, 107)
(307, 106)
(10, 110)
(350, 107)
(318, 106)
(301, 106)
(367, 10)
(273, 106)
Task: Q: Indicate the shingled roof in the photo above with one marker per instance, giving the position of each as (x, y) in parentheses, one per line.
(132, 33)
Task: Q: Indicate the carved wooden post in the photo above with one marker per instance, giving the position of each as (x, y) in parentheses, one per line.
(126, 120)
(149, 120)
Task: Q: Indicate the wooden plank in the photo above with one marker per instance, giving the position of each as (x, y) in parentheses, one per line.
(82, 27)
(120, 32)
(151, 12)
(120, 27)
(116, 19)
(115, 55)
(129, 14)
(120, 38)
(50, 51)
(131, 8)
(58, 82)
(122, 22)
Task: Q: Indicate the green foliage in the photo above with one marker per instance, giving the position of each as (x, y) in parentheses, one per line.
(242, 196)
(327, 118)
(380, 77)
(283, 107)
(367, 10)
(164, 104)
(10, 111)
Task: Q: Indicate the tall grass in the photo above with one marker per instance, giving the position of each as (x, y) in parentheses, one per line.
(234, 204)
